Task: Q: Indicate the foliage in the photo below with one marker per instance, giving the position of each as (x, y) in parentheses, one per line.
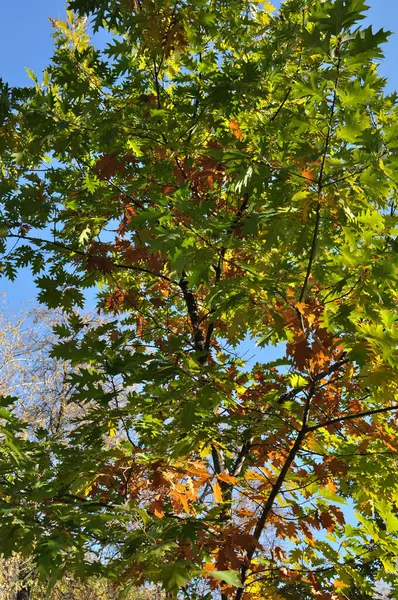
(224, 176)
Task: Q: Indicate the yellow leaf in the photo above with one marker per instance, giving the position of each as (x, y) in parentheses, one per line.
(241, 389)
(263, 18)
(135, 146)
(205, 451)
(112, 429)
(297, 381)
(86, 490)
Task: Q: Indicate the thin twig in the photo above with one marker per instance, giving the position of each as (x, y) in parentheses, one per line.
(320, 179)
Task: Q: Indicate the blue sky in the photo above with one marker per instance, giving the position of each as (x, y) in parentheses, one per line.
(25, 35)
(25, 41)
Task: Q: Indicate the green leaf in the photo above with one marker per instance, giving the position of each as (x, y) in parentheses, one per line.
(228, 577)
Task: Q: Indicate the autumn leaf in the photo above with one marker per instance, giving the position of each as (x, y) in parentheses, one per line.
(218, 497)
(226, 478)
(308, 174)
(106, 166)
(327, 521)
(339, 584)
(236, 131)
(157, 509)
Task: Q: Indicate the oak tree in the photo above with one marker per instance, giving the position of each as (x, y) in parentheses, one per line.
(224, 176)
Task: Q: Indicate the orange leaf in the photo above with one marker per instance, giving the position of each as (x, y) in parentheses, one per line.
(217, 492)
(236, 130)
(244, 512)
(227, 478)
(307, 174)
(301, 307)
(339, 584)
(180, 498)
(331, 485)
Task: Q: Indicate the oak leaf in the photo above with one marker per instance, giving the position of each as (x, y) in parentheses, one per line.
(217, 492)
(236, 131)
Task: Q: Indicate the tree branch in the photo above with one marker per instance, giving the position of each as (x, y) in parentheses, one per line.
(219, 267)
(332, 369)
(276, 488)
(241, 458)
(270, 502)
(193, 313)
(88, 255)
(320, 179)
(366, 413)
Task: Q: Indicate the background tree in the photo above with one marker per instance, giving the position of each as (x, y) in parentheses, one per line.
(27, 369)
(68, 588)
(226, 176)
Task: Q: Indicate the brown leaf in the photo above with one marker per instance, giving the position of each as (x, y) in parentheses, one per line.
(327, 521)
(336, 466)
(106, 166)
(157, 302)
(157, 509)
(338, 514)
(279, 553)
(300, 351)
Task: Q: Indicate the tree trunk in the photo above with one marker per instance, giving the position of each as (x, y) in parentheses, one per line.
(23, 594)
(24, 576)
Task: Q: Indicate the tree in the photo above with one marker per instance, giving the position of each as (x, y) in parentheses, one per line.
(226, 175)
(30, 373)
